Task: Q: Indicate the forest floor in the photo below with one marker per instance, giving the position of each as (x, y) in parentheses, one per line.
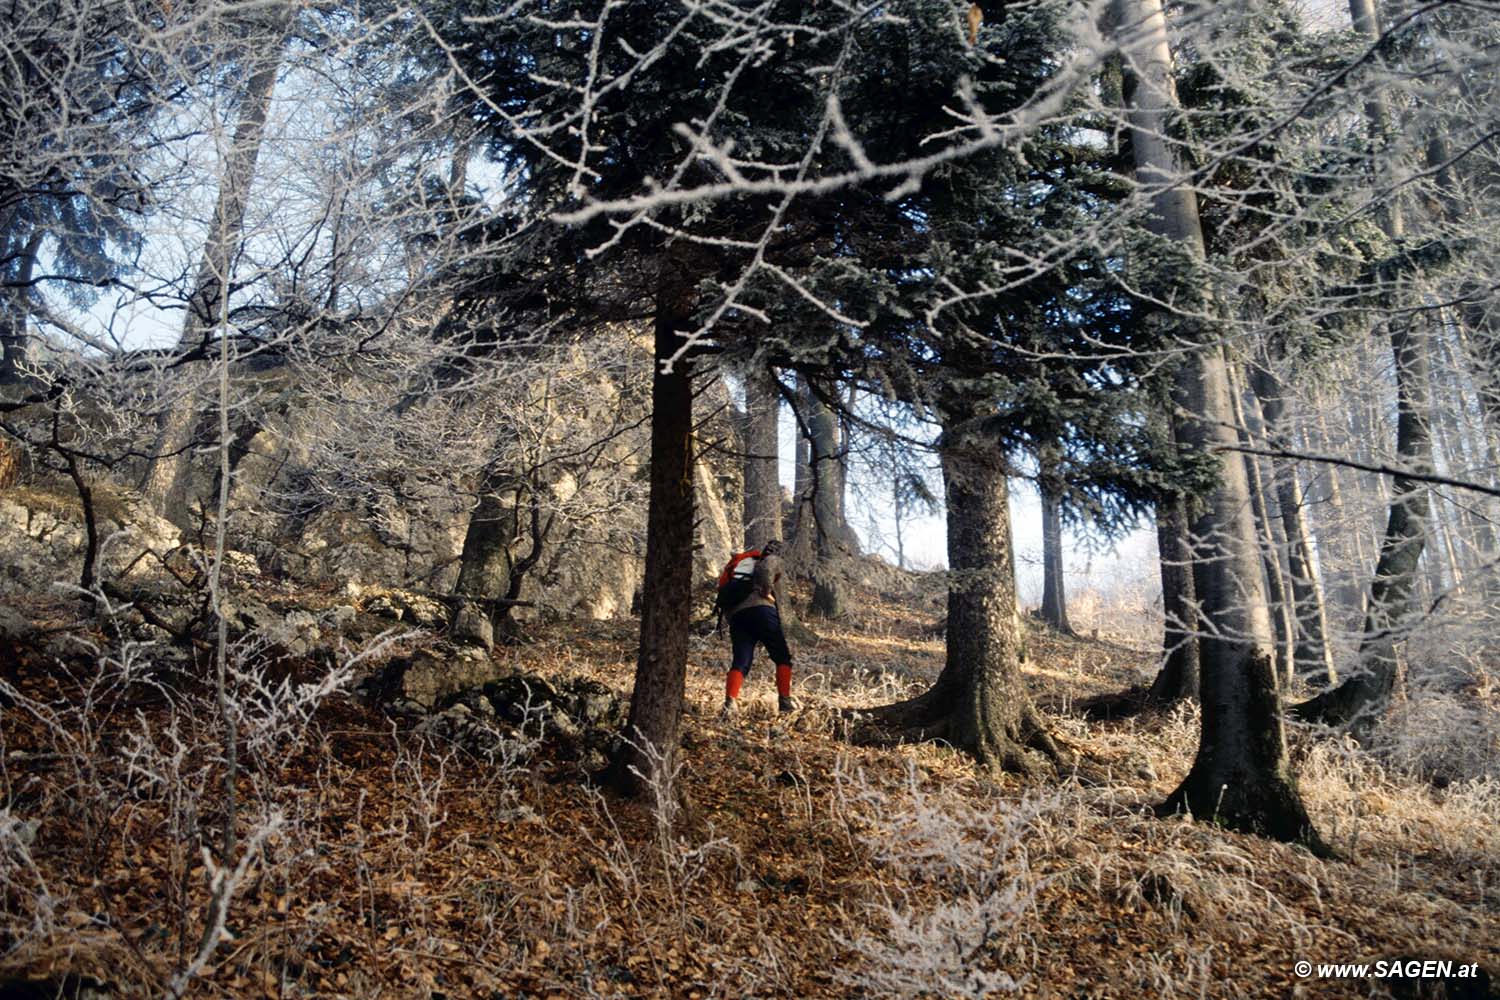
(796, 866)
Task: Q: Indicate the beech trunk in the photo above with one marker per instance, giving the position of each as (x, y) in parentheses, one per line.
(1277, 592)
(1360, 700)
(1312, 657)
(762, 519)
(1241, 775)
(164, 484)
(827, 510)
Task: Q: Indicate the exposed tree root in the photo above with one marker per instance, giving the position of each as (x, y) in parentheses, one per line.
(1022, 746)
(1125, 704)
(1356, 704)
(1262, 805)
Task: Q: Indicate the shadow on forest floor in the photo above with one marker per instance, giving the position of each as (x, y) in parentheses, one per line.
(790, 864)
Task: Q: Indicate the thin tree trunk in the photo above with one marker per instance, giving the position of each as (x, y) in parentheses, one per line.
(762, 473)
(1467, 443)
(1359, 701)
(1365, 429)
(1482, 341)
(1313, 657)
(802, 554)
(1054, 590)
(1443, 572)
(1178, 677)
(1343, 534)
(1362, 697)
(13, 351)
(164, 484)
(846, 536)
(13, 333)
(898, 517)
(979, 702)
(828, 589)
(1470, 443)
(1241, 776)
(1477, 322)
(651, 732)
(1277, 591)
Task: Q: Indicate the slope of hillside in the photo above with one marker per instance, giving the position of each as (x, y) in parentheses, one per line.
(385, 856)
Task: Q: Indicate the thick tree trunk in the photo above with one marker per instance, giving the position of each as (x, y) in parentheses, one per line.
(1054, 591)
(979, 702)
(484, 562)
(1313, 657)
(651, 732)
(1241, 776)
(164, 484)
(762, 474)
(1178, 677)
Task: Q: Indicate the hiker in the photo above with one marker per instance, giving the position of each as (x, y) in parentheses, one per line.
(749, 595)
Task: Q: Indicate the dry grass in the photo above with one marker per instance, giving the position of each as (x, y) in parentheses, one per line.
(796, 866)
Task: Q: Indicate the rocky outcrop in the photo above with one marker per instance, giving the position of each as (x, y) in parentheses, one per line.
(512, 716)
(42, 536)
(295, 521)
(434, 676)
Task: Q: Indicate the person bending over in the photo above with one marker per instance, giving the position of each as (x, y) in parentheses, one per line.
(756, 621)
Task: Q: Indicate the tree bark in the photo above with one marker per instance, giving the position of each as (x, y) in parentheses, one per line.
(17, 313)
(802, 550)
(651, 731)
(898, 518)
(828, 528)
(1467, 447)
(1178, 676)
(1241, 775)
(1277, 591)
(1360, 700)
(979, 702)
(164, 484)
(1313, 658)
(484, 562)
(762, 519)
(1054, 590)
(1344, 550)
